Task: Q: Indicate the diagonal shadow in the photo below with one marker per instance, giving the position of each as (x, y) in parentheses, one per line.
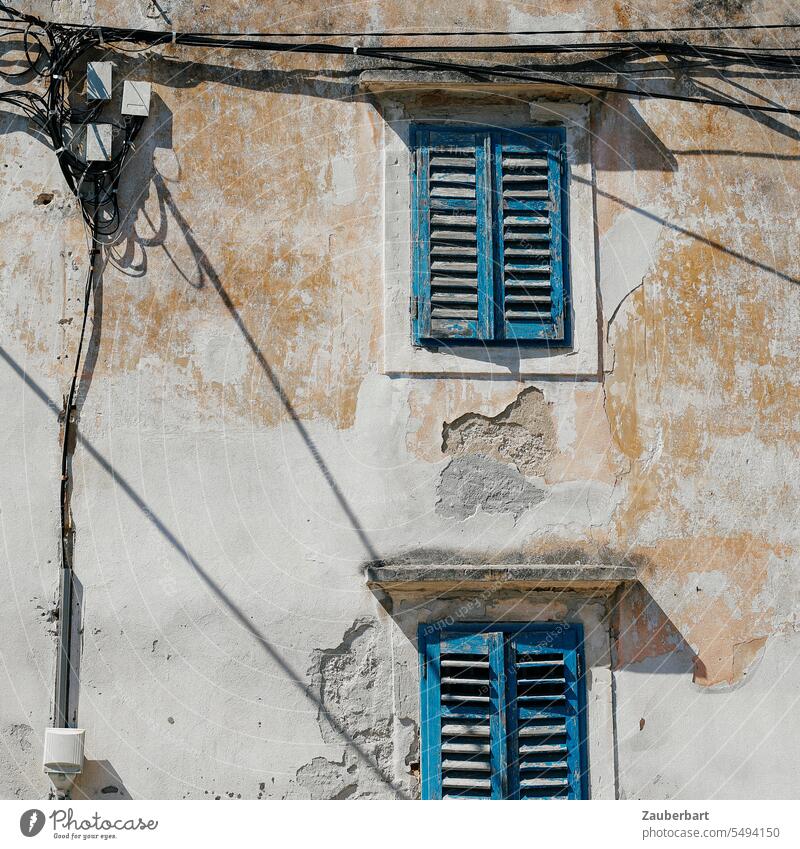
(208, 272)
(187, 556)
(717, 246)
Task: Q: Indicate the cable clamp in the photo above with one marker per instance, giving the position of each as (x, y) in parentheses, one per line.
(57, 76)
(60, 150)
(173, 37)
(101, 42)
(355, 51)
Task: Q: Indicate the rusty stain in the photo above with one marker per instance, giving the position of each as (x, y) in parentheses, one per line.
(592, 455)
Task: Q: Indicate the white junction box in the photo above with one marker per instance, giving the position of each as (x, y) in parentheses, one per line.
(98, 142)
(136, 98)
(98, 80)
(63, 757)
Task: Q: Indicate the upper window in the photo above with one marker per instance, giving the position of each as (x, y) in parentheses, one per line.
(502, 711)
(489, 232)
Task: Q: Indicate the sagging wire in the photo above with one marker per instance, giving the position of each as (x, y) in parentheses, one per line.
(51, 51)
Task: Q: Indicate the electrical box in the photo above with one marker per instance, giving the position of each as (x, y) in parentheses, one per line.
(136, 98)
(98, 142)
(98, 80)
(63, 749)
(63, 757)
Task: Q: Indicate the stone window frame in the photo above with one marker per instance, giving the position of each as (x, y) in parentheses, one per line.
(400, 355)
(415, 595)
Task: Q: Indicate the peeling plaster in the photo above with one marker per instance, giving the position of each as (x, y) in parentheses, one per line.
(472, 482)
(522, 434)
(353, 683)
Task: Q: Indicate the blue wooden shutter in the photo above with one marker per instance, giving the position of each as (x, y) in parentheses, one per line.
(545, 698)
(463, 716)
(529, 238)
(452, 235)
(502, 712)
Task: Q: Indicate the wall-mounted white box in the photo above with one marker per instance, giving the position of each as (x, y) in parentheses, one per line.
(98, 80)
(63, 749)
(98, 142)
(136, 98)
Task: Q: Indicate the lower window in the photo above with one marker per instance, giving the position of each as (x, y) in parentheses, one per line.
(503, 711)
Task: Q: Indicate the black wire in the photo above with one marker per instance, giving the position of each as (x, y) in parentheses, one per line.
(489, 71)
(457, 33)
(52, 50)
(66, 555)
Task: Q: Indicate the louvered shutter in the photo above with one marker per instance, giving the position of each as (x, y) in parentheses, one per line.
(464, 726)
(452, 235)
(529, 234)
(545, 723)
(502, 712)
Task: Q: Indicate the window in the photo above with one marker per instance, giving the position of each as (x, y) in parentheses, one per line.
(502, 711)
(489, 233)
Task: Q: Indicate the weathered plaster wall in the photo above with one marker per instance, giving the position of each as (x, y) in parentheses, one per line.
(241, 455)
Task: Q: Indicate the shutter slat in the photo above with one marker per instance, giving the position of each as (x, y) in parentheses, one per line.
(544, 782)
(443, 283)
(467, 730)
(445, 236)
(453, 266)
(516, 220)
(527, 299)
(444, 219)
(443, 191)
(454, 299)
(541, 730)
(454, 178)
(530, 177)
(444, 249)
(530, 286)
(524, 161)
(516, 193)
(467, 748)
(542, 748)
(467, 783)
(465, 765)
(527, 252)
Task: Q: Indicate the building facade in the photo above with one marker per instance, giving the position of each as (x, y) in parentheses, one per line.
(420, 412)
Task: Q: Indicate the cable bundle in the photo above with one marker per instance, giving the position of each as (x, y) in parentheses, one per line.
(50, 53)
(52, 50)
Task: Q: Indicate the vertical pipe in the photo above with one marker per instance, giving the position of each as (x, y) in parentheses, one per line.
(64, 648)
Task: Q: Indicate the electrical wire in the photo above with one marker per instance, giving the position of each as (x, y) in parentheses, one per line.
(496, 32)
(53, 50)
